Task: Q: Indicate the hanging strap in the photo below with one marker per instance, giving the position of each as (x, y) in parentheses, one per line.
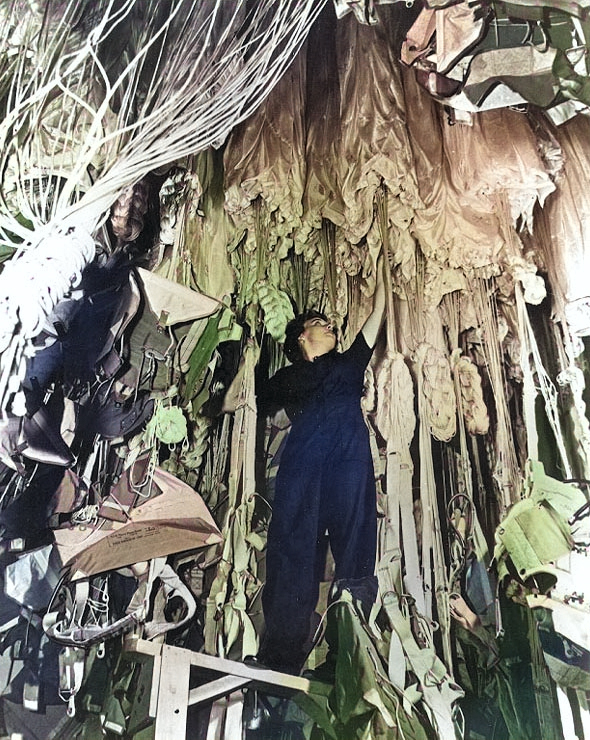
(71, 673)
(531, 359)
(439, 691)
(172, 586)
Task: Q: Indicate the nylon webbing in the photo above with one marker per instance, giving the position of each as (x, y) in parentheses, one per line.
(439, 691)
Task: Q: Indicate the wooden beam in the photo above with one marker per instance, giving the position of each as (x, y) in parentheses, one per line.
(225, 666)
(215, 689)
(155, 686)
(259, 675)
(173, 692)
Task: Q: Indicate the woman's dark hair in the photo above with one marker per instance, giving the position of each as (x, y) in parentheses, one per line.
(294, 329)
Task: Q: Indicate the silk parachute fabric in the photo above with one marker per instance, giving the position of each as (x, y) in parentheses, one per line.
(350, 155)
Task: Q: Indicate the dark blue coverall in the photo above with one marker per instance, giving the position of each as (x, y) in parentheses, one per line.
(325, 482)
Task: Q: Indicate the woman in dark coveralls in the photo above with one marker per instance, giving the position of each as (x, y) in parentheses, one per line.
(325, 480)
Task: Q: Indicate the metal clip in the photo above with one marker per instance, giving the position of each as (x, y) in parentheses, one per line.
(575, 596)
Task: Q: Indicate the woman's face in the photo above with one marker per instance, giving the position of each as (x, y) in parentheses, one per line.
(317, 338)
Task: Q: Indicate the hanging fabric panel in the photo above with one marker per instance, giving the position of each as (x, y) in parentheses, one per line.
(374, 145)
(265, 158)
(563, 229)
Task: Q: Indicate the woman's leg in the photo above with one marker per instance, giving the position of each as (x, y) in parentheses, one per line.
(294, 545)
(350, 500)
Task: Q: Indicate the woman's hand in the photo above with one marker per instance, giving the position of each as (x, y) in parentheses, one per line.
(463, 614)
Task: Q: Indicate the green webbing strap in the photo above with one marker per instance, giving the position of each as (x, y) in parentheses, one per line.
(362, 702)
(547, 711)
(236, 582)
(439, 691)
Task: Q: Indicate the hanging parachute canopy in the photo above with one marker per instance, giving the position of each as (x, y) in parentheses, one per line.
(175, 82)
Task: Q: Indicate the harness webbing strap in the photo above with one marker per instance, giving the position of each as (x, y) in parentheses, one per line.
(438, 689)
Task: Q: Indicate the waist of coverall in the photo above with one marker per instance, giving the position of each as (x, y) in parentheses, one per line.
(329, 429)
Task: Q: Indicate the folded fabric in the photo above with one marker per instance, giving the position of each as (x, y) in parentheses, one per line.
(458, 28)
(568, 662)
(534, 536)
(445, 35)
(418, 38)
(111, 298)
(571, 620)
(173, 303)
(124, 494)
(70, 493)
(41, 440)
(31, 579)
(536, 531)
(111, 418)
(524, 69)
(176, 520)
